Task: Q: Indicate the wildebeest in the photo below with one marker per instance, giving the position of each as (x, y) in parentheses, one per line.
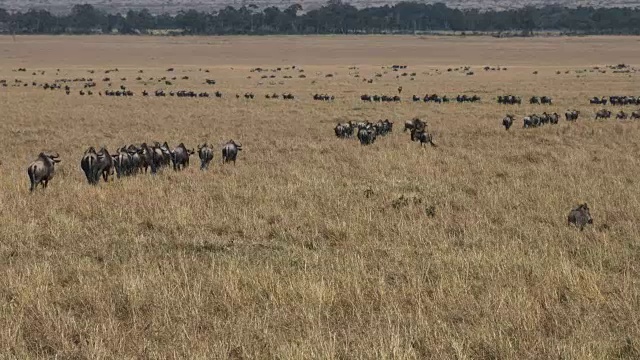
(42, 169)
(415, 123)
(603, 114)
(507, 121)
(180, 157)
(123, 161)
(103, 166)
(622, 115)
(580, 216)
(367, 135)
(422, 136)
(88, 163)
(205, 153)
(635, 115)
(344, 130)
(509, 99)
(572, 115)
(230, 151)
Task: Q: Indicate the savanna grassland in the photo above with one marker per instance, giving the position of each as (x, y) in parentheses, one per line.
(313, 246)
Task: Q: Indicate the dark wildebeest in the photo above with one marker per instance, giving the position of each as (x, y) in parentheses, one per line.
(603, 114)
(146, 158)
(230, 151)
(123, 162)
(180, 157)
(507, 121)
(422, 136)
(42, 169)
(635, 115)
(88, 162)
(622, 115)
(572, 115)
(206, 155)
(580, 216)
(103, 166)
(367, 135)
(415, 123)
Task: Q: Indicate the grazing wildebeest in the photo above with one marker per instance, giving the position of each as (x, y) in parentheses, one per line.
(180, 157)
(622, 115)
(603, 114)
(230, 151)
(580, 216)
(205, 152)
(507, 121)
(422, 136)
(572, 115)
(534, 100)
(88, 162)
(42, 169)
(635, 115)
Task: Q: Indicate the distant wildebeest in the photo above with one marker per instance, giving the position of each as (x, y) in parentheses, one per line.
(88, 163)
(507, 121)
(595, 100)
(572, 115)
(635, 115)
(205, 153)
(580, 216)
(622, 115)
(603, 114)
(509, 99)
(180, 157)
(42, 169)
(230, 151)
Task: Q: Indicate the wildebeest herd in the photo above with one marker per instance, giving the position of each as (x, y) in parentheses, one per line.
(535, 120)
(128, 161)
(367, 132)
(616, 100)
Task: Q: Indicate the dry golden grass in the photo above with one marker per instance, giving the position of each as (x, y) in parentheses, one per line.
(283, 255)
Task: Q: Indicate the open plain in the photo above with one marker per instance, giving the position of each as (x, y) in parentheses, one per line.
(313, 246)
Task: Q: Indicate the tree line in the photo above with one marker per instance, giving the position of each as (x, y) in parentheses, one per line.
(335, 17)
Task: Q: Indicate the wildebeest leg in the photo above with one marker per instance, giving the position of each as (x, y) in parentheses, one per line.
(45, 183)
